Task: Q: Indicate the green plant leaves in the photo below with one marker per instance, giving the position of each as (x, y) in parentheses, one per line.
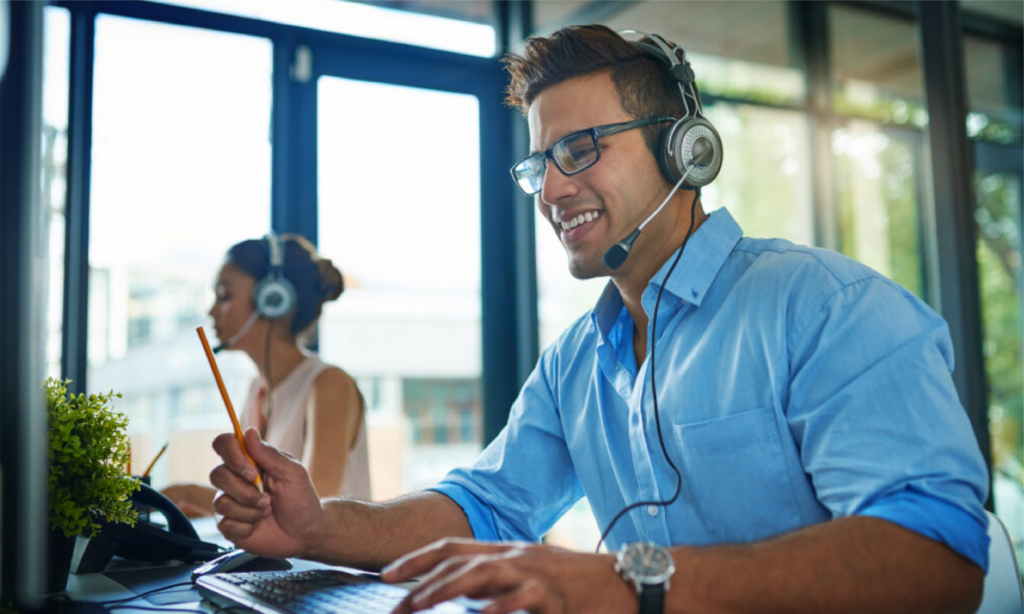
(88, 451)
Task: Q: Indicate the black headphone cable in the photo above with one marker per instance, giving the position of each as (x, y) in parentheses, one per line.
(654, 388)
(270, 386)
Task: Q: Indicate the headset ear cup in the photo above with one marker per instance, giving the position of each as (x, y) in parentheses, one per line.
(693, 144)
(274, 297)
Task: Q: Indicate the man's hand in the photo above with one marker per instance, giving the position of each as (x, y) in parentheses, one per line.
(540, 579)
(282, 522)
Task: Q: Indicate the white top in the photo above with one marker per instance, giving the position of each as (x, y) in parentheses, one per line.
(290, 423)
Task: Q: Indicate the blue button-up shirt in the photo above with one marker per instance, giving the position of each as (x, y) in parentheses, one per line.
(794, 385)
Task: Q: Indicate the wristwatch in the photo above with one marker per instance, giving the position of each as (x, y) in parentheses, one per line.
(648, 567)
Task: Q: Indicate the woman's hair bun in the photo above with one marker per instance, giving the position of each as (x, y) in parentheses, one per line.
(331, 281)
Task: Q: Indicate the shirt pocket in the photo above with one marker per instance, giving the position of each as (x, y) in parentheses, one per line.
(735, 482)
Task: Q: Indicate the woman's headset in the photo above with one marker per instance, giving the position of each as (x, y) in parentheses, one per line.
(274, 296)
(690, 147)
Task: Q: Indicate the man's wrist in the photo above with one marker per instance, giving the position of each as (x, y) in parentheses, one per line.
(647, 568)
(317, 538)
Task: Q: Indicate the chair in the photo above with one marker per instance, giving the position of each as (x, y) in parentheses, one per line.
(1003, 593)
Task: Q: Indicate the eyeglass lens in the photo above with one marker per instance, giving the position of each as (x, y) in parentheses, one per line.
(572, 154)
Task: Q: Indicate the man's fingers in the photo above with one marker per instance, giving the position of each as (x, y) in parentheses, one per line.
(443, 568)
(235, 530)
(532, 596)
(229, 508)
(226, 446)
(427, 558)
(479, 577)
(237, 487)
(267, 457)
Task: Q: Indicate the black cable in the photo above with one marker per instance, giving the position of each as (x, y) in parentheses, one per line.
(160, 609)
(216, 610)
(143, 595)
(266, 369)
(654, 389)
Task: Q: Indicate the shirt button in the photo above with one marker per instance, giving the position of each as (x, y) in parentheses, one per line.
(652, 510)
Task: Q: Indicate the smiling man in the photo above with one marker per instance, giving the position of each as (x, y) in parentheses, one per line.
(758, 426)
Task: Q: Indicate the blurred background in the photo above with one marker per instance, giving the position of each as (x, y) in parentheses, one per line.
(376, 129)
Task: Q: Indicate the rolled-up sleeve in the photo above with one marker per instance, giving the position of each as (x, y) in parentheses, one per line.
(524, 480)
(877, 418)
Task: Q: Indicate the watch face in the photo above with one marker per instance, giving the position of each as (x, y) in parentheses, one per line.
(647, 563)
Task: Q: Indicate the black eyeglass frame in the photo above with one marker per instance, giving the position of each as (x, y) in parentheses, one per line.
(597, 132)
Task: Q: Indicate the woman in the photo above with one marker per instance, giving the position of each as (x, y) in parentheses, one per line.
(299, 404)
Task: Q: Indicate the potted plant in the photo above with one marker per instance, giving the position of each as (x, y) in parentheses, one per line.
(88, 452)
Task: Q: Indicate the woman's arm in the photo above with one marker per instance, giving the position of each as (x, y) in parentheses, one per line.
(334, 423)
(194, 500)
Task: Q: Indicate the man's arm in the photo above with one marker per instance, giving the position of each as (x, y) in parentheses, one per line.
(371, 535)
(856, 564)
(851, 565)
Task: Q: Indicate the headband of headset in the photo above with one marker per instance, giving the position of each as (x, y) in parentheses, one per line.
(691, 147)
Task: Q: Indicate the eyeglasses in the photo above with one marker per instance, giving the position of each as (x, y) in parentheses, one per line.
(571, 154)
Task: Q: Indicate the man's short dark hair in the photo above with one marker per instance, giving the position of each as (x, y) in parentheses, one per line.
(645, 86)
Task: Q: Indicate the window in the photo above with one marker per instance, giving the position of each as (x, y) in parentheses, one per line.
(875, 175)
(1010, 13)
(396, 165)
(993, 117)
(998, 216)
(462, 27)
(765, 180)
(56, 72)
(180, 172)
(876, 68)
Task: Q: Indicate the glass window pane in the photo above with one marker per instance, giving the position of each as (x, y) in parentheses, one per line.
(180, 172)
(875, 177)
(739, 49)
(399, 214)
(998, 217)
(447, 28)
(993, 115)
(56, 72)
(876, 67)
(1000, 10)
(550, 15)
(765, 180)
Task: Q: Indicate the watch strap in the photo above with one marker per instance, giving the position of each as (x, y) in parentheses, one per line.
(652, 599)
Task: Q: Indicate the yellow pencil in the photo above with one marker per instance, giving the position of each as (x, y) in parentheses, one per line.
(155, 459)
(227, 403)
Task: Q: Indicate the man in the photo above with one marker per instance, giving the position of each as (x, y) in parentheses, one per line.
(802, 450)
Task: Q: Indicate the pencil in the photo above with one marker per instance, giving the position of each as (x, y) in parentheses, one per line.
(155, 459)
(227, 403)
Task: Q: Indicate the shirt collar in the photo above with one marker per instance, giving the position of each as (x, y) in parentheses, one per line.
(702, 260)
(709, 248)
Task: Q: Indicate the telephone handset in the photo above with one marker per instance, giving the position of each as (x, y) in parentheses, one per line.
(147, 541)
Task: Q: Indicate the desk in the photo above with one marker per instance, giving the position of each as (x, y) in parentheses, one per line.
(125, 579)
(114, 583)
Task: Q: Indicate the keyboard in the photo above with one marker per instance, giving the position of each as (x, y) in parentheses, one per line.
(316, 591)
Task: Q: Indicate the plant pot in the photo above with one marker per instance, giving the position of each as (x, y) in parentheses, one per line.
(60, 549)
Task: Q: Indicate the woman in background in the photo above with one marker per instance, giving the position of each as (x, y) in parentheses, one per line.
(269, 294)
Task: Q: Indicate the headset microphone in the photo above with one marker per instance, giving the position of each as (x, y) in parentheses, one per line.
(616, 254)
(238, 336)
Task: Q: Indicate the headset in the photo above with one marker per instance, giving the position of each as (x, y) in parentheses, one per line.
(691, 143)
(274, 296)
(689, 154)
